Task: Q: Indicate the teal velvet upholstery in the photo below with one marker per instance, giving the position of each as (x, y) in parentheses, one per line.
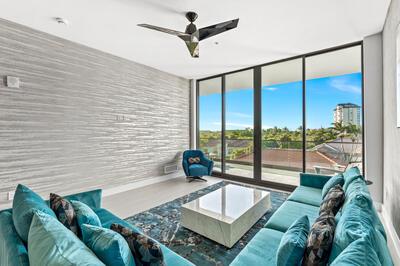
(12, 249)
(333, 181)
(307, 195)
(51, 243)
(289, 212)
(205, 166)
(293, 243)
(170, 258)
(358, 253)
(84, 214)
(350, 175)
(109, 246)
(355, 222)
(382, 250)
(90, 198)
(261, 250)
(24, 204)
(313, 180)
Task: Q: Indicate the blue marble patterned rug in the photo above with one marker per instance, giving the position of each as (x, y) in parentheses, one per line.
(163, 224)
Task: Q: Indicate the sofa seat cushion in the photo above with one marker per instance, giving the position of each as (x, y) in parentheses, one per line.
(51, 243)
(12, 249)
(170, 258)
(289, 212)
(261, 250)
(307, 195)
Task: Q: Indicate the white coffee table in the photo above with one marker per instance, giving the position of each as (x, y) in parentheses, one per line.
(226, 214)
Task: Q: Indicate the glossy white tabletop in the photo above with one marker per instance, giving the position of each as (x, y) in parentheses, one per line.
(227, 203)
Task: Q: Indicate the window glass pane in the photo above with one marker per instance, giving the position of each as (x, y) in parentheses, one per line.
(239, 123)
(333, 108)
(282, 107)
(210, 117)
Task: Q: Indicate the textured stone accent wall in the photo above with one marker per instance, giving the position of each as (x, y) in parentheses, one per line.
(82, 118)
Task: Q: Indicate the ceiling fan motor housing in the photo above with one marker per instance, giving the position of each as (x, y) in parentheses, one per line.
(191, 16)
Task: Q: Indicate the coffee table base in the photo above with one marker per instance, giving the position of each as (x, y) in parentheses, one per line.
(222, 232)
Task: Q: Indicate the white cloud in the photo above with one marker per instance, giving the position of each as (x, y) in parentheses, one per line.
(241, 115)
(270, 88)
(342, 84)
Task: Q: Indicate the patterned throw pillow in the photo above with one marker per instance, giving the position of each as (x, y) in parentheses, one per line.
(146, 251)
(319, 242)
(333, 201)
(64, 211)
(193, 160)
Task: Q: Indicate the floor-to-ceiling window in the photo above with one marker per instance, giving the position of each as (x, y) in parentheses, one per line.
(333, 110)
(273, 121)
(282, 122)
(239, 99)
(210, 120)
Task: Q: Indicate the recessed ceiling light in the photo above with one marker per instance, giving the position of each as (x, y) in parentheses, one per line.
(61, 21)
(216, 43)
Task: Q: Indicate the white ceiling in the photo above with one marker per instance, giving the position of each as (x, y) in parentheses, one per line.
(268, 29)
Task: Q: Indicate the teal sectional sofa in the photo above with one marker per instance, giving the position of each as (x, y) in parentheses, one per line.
(357, 218)
(13, 251)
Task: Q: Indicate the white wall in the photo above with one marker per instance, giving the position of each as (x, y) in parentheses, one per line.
(373, 124)
(391, 134)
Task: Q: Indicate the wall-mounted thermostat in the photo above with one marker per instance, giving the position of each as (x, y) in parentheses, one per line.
(12, 82)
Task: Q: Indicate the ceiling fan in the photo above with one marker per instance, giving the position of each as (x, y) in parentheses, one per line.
(192, 36)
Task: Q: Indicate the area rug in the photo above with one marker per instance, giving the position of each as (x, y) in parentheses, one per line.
(163, 224)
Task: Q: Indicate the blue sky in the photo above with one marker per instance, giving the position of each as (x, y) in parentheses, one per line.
(282, 104)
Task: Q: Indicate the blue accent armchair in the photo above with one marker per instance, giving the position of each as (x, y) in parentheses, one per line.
(197, 170)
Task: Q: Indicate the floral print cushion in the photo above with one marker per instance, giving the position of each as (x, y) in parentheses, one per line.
(320, 239)
(333, 201)
(146, 251)
(64, 211)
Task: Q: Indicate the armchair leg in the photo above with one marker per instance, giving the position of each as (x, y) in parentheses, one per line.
(193, 178)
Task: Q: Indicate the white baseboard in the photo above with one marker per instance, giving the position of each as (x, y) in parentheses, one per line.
(392, 237)
(141, 183)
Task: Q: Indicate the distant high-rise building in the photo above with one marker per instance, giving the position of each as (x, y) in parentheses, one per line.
(347, 113)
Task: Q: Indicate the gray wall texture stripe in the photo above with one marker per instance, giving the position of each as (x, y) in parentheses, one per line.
(82, 118)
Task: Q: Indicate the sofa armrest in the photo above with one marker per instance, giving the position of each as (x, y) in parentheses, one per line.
(12, 249)
(313, 180)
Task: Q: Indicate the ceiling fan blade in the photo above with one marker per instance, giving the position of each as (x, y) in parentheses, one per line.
(213, 30)
(165, 30)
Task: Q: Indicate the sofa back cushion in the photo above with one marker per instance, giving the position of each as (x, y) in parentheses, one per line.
(24, 205)
(359, 252)
(350, 175)
(109, 246)
(50, 243)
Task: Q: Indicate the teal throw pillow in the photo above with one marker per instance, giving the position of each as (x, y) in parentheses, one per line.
(84, 214)
(51, 243)
(332, 182)
(109, 246)
(24, 205)
(293, 243)
(358, 253)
